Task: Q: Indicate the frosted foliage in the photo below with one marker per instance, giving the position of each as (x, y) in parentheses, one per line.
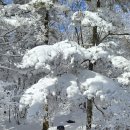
(20, 11)
(91, 19)
(124, 79)
(113, 63)
(27, 28)
(47, 2)
(58, 57)
(75, 88)
(75, 83)
(57, 76)
(70, 86)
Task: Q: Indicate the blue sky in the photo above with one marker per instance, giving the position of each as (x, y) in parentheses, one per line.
(7, 1)
(81, 5)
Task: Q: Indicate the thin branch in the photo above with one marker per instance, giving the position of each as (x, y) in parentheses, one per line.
(7, 68)
(104, 38)
(9, 32)
(120, 34)
(98, 107)
(10, 55)
(85, 61)
(26, 12)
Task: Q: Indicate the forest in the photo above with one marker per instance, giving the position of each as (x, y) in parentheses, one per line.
(64, 64)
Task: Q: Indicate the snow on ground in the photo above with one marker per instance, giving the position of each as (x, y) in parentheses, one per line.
(13, 126)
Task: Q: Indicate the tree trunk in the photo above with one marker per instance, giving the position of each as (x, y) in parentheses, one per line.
(98, 4)
(46, 118)
(78, 39)
(46, 24)
(95, 38)
(89, 106)
(9, 114)
(54, 1)
(45, 125)
(89, 114)
(81, 32)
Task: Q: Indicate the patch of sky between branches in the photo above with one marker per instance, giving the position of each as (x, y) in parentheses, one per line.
(8, 1)
(81, 5)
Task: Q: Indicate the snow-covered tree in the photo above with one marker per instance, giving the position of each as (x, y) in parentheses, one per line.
(58, 83)
(68, 83)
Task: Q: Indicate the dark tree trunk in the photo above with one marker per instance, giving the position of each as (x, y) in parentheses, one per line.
(90, 65)
(81, 32)
(95, 38)
(45, 125)
(89, 108)
(46, 24)
(46, 118)
(77, 34)
(9, 114)
(89, 113)
(98, 4)
(54, 1)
